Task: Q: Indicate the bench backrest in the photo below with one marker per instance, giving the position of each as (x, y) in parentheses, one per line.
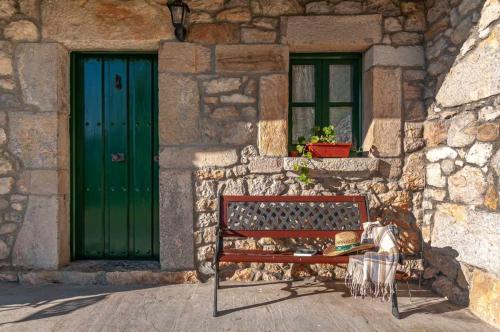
(291, 216)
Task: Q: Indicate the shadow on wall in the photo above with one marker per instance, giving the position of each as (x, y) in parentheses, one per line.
(460, 64)
(442, 265)
(453, 35)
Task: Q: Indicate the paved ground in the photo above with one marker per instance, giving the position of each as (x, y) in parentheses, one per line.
(279, 306)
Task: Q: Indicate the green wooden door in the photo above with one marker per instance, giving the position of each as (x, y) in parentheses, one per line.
(114, 163)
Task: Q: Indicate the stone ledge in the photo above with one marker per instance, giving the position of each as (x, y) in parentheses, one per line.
(326, 33)
(193, 157)
(257, 58)
(85, 278)
(342, 167)
(262, 164)
(386, 55)
(186, 58)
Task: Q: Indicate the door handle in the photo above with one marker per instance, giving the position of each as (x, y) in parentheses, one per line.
(118, 82)
(118, 157)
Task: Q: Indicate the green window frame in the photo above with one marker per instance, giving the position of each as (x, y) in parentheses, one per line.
(321, 102)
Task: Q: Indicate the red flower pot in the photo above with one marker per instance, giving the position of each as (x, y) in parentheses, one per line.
(329, 150)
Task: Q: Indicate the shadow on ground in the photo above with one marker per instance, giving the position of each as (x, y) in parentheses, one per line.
(65, 302)
(417, 296)
(56, 300)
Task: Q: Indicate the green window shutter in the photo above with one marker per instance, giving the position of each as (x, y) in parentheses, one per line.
(325, 89)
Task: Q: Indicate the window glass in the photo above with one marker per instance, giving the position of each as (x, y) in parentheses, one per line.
(340, 83)
(303, 83)
(341, 119)
(303, 121)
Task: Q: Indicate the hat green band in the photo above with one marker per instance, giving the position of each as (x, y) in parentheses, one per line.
(346, 247)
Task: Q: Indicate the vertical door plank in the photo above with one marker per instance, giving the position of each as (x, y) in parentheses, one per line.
(93, 170)
(141, 149)
(116, 143)
(156, 166)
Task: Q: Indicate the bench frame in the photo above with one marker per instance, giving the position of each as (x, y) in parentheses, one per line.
(260, 256)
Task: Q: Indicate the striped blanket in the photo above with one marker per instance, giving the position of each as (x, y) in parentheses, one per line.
(372, 274)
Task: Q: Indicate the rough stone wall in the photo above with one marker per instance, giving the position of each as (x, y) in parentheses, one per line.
(231, 137)
(461, 198)
(257, 175)
(22, 122)
(223, 93)
(35, 42)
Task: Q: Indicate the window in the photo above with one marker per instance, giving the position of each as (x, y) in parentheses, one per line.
(325, 89)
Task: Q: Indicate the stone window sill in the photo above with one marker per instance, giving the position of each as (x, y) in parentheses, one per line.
(347, 167)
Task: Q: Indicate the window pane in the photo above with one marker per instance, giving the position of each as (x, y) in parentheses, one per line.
(303, 83)
(302, 122)
(340, 83)
(341, 118)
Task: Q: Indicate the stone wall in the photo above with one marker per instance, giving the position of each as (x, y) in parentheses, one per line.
(224, 113)
(34, 158)
(214, 100)
(223, 93)
(259, 175)
(461, 198)
(35, 42)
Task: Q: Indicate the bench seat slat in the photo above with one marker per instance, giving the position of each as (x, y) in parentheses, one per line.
(267, 256)
(284, 233)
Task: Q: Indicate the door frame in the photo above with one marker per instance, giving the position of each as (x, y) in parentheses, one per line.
(73, 139)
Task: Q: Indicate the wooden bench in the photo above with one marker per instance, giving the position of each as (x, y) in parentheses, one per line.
(286, 217)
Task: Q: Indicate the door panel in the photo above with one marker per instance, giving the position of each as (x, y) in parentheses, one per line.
(115, 176)
(116, 173)
(93, 168)
(141, 145)
(156, 166)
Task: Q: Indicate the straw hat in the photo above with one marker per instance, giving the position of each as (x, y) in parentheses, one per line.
(345, 243)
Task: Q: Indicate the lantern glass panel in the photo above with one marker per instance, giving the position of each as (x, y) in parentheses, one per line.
(177, 14)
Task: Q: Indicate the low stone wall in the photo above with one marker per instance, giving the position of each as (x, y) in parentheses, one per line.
(257, 175)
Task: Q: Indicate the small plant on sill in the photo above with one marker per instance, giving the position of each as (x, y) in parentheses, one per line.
(319, 135)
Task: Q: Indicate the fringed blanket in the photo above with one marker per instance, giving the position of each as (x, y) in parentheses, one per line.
(372, 274)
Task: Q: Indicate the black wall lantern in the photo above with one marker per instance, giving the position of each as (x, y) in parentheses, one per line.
(179, 11)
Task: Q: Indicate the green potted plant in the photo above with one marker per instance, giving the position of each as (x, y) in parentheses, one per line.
(321, 144)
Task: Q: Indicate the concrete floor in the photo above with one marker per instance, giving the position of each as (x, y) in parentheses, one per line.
(278, 306)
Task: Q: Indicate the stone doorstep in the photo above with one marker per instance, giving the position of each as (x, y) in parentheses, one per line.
(84, 273)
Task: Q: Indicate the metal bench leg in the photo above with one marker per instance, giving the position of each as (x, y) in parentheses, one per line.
(216, 287)
(394, 298)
